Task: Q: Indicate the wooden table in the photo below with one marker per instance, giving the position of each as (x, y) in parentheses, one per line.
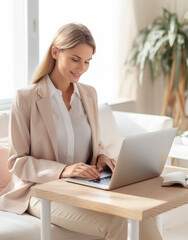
(135, 202)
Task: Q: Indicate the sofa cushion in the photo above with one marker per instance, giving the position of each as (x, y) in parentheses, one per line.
(109, 133)
(5, 175)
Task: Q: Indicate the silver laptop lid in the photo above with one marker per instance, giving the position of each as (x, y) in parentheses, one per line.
(142, 157)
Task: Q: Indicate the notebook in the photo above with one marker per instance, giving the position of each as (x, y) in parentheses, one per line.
(141, 157)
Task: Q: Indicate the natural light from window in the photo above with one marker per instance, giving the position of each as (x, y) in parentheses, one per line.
(6, 43)
(13, 48)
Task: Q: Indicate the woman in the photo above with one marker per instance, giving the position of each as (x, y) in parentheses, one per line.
(54, 133)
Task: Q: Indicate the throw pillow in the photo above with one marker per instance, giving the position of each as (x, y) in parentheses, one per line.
(5, 175)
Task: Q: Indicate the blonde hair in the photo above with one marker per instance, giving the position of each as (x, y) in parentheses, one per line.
(67, 37)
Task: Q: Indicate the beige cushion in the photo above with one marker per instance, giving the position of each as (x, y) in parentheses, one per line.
(109, 133)
(5, 175)
(4, 119)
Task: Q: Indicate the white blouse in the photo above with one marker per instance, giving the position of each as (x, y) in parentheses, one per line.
(72, 127)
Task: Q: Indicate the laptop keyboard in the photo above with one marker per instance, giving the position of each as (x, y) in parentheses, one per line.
(103, 180)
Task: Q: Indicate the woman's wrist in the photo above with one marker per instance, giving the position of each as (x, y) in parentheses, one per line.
(100, 156)
(61, 175)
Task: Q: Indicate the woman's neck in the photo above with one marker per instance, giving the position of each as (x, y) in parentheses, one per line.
(65, 86)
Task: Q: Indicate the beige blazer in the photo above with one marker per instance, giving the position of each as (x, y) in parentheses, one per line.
(33, 142)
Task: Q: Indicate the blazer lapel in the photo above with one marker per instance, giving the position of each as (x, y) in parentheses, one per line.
(45, 109)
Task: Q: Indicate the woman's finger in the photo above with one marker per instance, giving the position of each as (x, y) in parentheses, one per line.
(114, 162)
(110, 164)
(89, 171)
(101, 166)
(80, 170)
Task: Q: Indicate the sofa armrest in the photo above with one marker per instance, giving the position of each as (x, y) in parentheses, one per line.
(135, 123)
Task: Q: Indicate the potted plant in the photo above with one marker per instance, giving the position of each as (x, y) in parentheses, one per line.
(164, 45)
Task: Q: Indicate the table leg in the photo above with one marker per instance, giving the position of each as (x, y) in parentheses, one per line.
(133, 229)
(45, 220)
(159, 222)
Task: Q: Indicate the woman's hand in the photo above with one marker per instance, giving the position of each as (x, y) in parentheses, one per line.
(80, 170)
(104, 161)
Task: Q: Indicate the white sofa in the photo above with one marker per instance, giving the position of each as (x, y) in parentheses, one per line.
(114, 126)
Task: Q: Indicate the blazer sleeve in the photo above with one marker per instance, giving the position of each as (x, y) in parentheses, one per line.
(20, 163)
(101, 150)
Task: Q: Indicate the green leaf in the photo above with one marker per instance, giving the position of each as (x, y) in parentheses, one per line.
(157, 46)
(149, 44)
(131, 55)
(166, 16)
(164, 65)
(166, 61)
(185, 41)
(180, 38)
(187, 82)
(151, 70)
(140, 38)
(186, 50)
(141, 69)
(178, 56)
(185, 18)
(140, 78)
(157, 61)
(185, 29)
(155, 34)
(173, 29)
(143, 53)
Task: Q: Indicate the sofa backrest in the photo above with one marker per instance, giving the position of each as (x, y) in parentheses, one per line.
(135, 123)
(114, 126)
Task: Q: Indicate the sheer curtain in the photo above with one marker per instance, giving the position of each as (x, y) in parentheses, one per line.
(13, 47)
(6, 43)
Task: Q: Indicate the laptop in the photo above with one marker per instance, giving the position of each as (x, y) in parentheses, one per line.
(141, 157)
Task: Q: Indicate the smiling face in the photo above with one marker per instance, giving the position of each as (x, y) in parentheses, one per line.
(71, 63)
